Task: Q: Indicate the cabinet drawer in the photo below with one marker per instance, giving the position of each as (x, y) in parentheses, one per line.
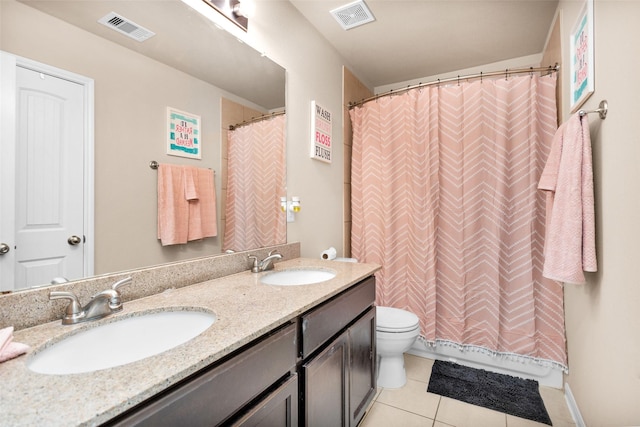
(215, 395)
(278, 409)
(325, 321)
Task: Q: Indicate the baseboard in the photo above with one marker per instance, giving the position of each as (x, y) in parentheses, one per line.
(573, 406)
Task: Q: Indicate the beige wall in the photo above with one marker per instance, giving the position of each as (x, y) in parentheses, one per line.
(603, 316)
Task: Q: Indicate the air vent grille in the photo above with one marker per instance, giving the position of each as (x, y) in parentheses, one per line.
(353, 15)
(126, 27)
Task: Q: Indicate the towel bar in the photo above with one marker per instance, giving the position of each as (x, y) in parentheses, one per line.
(602, 110)
(155, 165)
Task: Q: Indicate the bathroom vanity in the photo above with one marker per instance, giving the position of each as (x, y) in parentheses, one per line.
(318, 369)
(276, 355)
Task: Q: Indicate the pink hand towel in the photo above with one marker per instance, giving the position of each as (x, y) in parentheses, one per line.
(6, 336)
(190, 176)
(202, 212)
(8, 348)
(570, 223)
(13, 350)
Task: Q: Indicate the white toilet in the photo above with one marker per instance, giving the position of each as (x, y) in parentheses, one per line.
(396, 331)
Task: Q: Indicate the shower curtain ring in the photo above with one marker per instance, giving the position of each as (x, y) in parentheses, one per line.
(480, 77)
(458, 80)
(531, 72)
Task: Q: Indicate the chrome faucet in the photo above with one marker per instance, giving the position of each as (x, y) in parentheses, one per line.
(101, 304)
(265, 264)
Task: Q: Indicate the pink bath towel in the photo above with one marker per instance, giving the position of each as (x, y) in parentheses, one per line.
(570, 224)
(173, 207)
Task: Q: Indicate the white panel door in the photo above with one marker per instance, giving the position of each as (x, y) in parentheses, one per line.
(49, 229)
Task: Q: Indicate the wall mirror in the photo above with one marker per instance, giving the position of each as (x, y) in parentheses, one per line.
(189, 64)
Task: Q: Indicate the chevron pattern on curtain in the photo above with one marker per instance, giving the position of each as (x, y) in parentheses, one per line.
(256, 180)
(444, 197)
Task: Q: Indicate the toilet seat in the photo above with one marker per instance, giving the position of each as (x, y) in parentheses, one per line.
(395, 320)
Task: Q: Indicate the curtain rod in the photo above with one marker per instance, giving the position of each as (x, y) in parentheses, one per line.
(257, 119)
(550, 69)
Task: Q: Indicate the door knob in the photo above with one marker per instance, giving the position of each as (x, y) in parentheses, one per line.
(4, 248)
(74, 240)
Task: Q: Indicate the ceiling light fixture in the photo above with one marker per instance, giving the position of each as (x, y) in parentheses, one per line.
(243, 8)
(236, 11)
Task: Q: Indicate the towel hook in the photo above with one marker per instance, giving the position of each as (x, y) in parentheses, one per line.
(153, 164)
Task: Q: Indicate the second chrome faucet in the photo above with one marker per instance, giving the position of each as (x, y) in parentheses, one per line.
(266, 264)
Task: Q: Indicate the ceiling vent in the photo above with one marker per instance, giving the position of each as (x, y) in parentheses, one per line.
(353, 15)
(126, 27)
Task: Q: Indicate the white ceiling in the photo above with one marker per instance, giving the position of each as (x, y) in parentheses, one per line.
(420, 38)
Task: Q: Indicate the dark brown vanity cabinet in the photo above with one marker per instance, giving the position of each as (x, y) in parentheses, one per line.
(318, 370)
(256, 386)
(338, 368)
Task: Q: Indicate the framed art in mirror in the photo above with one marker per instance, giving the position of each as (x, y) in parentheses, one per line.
(582, 57)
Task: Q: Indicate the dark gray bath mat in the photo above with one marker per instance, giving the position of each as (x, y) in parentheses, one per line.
(503, 393)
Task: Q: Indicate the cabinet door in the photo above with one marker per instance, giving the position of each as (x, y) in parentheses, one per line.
(362, 357)
(326, 386)
(278, 409)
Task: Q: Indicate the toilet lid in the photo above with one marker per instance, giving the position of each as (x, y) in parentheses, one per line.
(389, 319)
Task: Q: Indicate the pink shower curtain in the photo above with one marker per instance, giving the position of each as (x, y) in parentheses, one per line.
(444, 197)
(256, 181)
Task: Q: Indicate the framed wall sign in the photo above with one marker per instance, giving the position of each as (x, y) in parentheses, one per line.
(183, 134)
(582, 58)
(321, 122)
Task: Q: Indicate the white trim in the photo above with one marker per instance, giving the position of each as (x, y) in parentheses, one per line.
(7, 166)
(88, 185)
(573, 407)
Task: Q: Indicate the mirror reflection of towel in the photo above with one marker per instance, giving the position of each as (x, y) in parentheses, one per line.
(190, 176)
(186, 204)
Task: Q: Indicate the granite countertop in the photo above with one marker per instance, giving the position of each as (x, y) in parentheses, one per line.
(245, 310)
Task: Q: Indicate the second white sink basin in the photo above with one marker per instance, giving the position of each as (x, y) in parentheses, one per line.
(294, 277)
(120, 342)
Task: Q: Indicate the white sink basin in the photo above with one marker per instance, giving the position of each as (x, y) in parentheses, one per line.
(295, 277)
(120, 342)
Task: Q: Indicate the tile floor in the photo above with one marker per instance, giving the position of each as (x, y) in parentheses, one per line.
(412, 406)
